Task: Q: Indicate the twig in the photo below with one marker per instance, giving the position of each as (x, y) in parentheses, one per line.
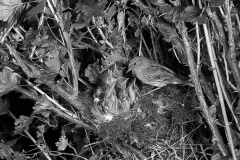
(199, 92)
(32, 139)
(223, 41)
(221, 99)
(60, 113)
(154, 46)
(231, 54)
(69, 47)
(94, 38)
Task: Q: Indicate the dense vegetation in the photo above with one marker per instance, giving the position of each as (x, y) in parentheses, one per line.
(66, 92)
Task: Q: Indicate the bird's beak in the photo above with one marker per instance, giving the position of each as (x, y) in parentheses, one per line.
(129, 69)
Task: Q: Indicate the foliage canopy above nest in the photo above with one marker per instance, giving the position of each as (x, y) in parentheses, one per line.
(73, 60)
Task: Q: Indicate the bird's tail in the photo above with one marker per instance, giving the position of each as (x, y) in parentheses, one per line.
(183, 81)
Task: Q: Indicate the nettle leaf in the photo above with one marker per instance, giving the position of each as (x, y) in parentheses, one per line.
(22, 123)
(216, 3)
(8, 80)
(37, 9)
(10, 10)
(194, 14)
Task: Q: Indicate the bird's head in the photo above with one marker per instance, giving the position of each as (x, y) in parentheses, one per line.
(136, 63)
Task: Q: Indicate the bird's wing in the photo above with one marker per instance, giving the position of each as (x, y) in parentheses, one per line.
(158, 73)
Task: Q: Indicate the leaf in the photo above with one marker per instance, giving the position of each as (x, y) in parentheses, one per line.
(89, 11)
(37, 9)
(216, 3)
(194, 14)
(168, 31)
(8, 80)
(22, 123)
(10, 10)
(92, 73)
(176, 13)
(66, 17)
(62, 143)
(5, 151)
(53, 61)
(4, 106)
(120, 18)
(43, 106)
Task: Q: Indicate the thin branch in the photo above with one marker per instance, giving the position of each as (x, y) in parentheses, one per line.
(199, 92)
(69, 48)
(32, 139)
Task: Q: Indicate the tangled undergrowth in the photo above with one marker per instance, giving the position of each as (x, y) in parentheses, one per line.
(69, 89)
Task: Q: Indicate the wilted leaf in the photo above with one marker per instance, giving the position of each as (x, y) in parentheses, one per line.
(8, 80)
(194, 14)
(10, 10)
(37, 9)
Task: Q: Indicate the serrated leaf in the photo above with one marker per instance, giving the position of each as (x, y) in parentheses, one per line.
(10, 10)
(216, 3)
(194, 14)
(22, 123)
(37, 9)
(8, 80)
(62, 143)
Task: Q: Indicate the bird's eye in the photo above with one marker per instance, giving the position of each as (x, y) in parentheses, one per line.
(134, 63)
